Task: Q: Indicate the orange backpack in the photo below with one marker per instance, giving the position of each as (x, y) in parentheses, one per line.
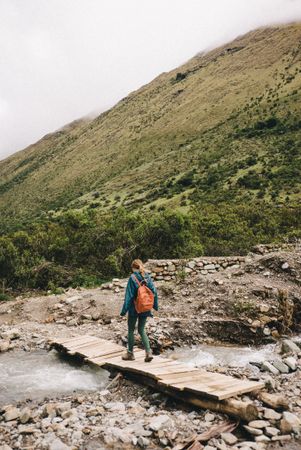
(145, 298)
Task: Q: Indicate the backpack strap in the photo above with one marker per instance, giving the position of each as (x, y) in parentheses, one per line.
(136, 279)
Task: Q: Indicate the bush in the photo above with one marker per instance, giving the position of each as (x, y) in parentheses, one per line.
(252, 180)
(4, 297)
(85, 249)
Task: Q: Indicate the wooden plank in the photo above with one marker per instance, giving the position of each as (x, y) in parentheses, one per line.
(238, 390)
(73, 345)
(189, 369)
(161, 367)
(192, 370)
(100, 351)
(107, 355)
(164, 372)
(80, 347)
(104, 359)
(220, 394)
(64, 341)
(181, 378)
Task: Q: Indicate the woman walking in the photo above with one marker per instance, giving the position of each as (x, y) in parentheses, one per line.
(136, 280)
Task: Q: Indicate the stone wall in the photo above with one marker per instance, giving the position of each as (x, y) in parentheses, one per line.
(169, 269)
(262, 249)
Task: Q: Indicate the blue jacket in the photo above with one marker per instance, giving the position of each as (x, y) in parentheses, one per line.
(131, 294)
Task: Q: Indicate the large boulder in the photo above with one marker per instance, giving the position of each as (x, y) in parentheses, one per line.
(290, 423)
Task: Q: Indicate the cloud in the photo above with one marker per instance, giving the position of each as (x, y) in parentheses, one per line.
(61, 59)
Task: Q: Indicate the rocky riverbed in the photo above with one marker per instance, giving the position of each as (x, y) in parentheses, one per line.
(257, 303)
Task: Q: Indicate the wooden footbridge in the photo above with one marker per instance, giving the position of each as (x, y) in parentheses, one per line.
(197, 386)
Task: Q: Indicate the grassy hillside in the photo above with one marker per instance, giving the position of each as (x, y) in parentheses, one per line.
(224, 127)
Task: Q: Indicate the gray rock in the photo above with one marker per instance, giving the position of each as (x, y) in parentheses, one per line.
(253, 431)
(138, 429)
(11, 334)
(248, 444)
(256, 324)
(220, 445)
(209, 417)
(289, 346)
(11, 413)
(235, 266)
(285, 266)
(266, 331)
(262, 438)
(271, 431)
(25, 429)
(86, 316)
(115, 406)
(290, 423)
(73, 299)
(159, 422)
(268, 367)
(71, 413)
(282, 438)
(209, 267)
(57, 444)
(209, 447)
(271, 414)
(269, 381)
(5, 447)
(283, 368)
(4, 346)
(229, 438)
(143, 442)
(120, 435)
(63, 407)
(191, 264)
(77, 435)
(49, 410)
(259, 424)
(291, 362)
(25, 415)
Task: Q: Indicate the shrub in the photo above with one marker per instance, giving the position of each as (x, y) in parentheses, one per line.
(251, 180)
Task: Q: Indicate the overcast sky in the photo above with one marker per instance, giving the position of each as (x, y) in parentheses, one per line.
(62, 59)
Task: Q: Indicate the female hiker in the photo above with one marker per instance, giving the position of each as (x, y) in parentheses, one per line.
(137, 279)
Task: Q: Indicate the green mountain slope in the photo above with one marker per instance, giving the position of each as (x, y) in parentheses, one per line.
(225, 126)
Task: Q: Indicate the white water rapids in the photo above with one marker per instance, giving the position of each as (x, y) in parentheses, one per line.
(41, 374)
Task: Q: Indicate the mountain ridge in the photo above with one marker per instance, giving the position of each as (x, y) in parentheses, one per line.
(176, 139)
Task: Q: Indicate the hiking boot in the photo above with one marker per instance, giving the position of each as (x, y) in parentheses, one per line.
(128, 356)
(148, 357)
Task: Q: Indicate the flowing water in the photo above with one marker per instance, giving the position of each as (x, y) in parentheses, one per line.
(210, 355)
(41, 374)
